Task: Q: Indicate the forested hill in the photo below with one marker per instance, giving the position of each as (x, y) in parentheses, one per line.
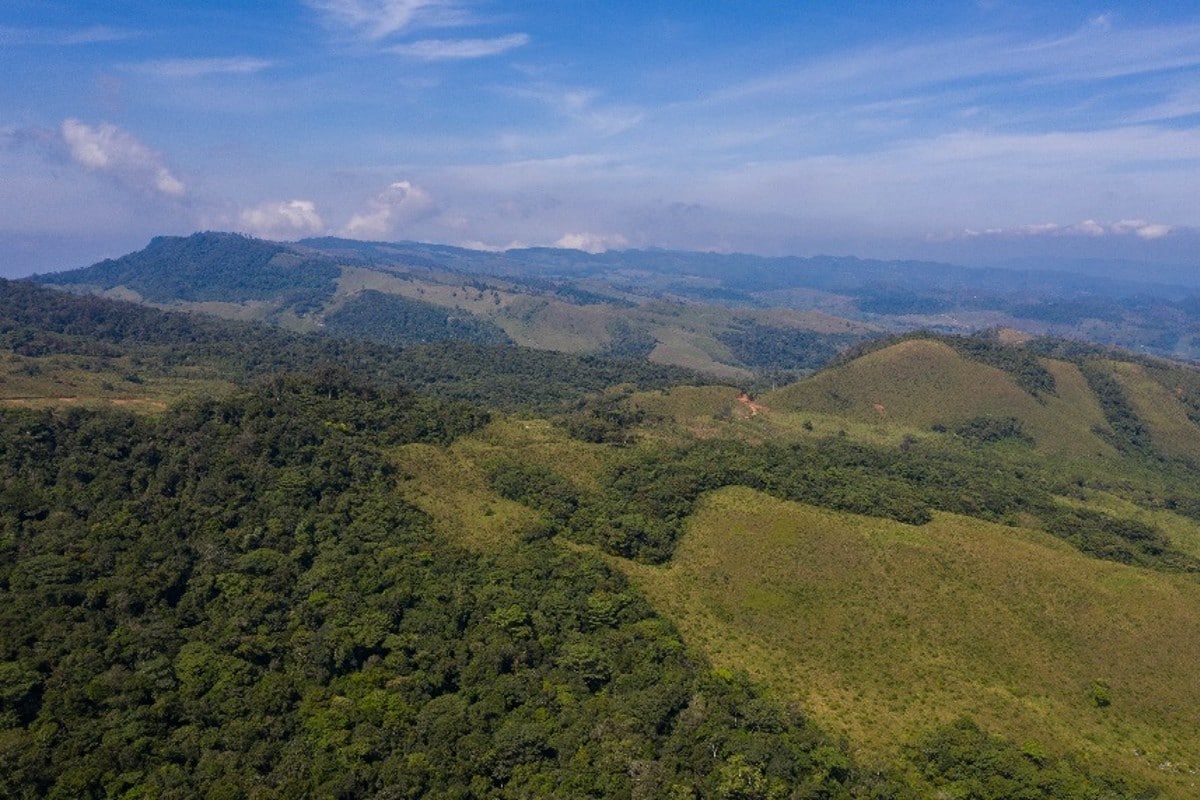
(231, 600)
(314, 570)
(211, 266)
(36, 321)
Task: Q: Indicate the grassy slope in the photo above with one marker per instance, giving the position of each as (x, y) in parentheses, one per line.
(686, 333)
(1171, 432)
(882, 630)
(919, 383)
(451, 484)
(63, 381)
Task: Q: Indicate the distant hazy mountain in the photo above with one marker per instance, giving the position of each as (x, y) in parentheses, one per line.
(573, 301)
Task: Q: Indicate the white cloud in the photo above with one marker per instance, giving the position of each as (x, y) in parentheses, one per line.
(592, 242)
(201, 67)
(582, 107)
(484, 247)
(400, 204)
(48, 36)
(378, 19)
(286, 219)
(1088, 228)
(107, 149)
(445, 49)
(1141, 228)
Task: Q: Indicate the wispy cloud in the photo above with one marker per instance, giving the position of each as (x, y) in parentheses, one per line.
(1002, 79)
(109, 150)
(382, 22)
(583, 107)
(95, 34)
(446, 49)
(1091, 53)
(379, 19)
(176, 68)
(1089, 228)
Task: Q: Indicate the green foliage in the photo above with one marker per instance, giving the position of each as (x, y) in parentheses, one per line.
(1114, 539)
(606, 418)
(230, 600)
(645, 498)
(961, 760)
(771, 347)
(987, 429)
(1099, 694)
(38, 321)
(628, 340)
(1129, 433)
(391, 319)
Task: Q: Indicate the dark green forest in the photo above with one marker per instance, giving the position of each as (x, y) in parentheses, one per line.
(395, 320)
(214, 266)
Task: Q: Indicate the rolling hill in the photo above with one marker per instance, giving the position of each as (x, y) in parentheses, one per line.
(733, 316)
(960, 566)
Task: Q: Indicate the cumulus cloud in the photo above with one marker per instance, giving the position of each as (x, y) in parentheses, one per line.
(446, 49)
(592, 242)
(107, 149)
(286, 219)
(378, 19)
(1088, 228)
(399, 204)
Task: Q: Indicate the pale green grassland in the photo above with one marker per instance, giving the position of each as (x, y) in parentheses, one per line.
(882, 630)
(451, 484)
(921, 382)
(878, 629)
(63, 381)
(1184, 533)
(715, 411)
(1171, 432)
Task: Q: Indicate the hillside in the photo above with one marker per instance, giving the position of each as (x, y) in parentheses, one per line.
(733, 316)
(883, 629)
(404, 294)
(923, 383)
(454, 568)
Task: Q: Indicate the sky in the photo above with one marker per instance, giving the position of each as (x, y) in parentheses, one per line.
(971, 132)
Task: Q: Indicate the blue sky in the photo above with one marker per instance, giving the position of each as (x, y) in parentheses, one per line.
(964, 131)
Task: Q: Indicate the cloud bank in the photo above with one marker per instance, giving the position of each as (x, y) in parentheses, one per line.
(1089, 228)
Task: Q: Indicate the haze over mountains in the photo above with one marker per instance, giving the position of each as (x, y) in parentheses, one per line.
(723, 313)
